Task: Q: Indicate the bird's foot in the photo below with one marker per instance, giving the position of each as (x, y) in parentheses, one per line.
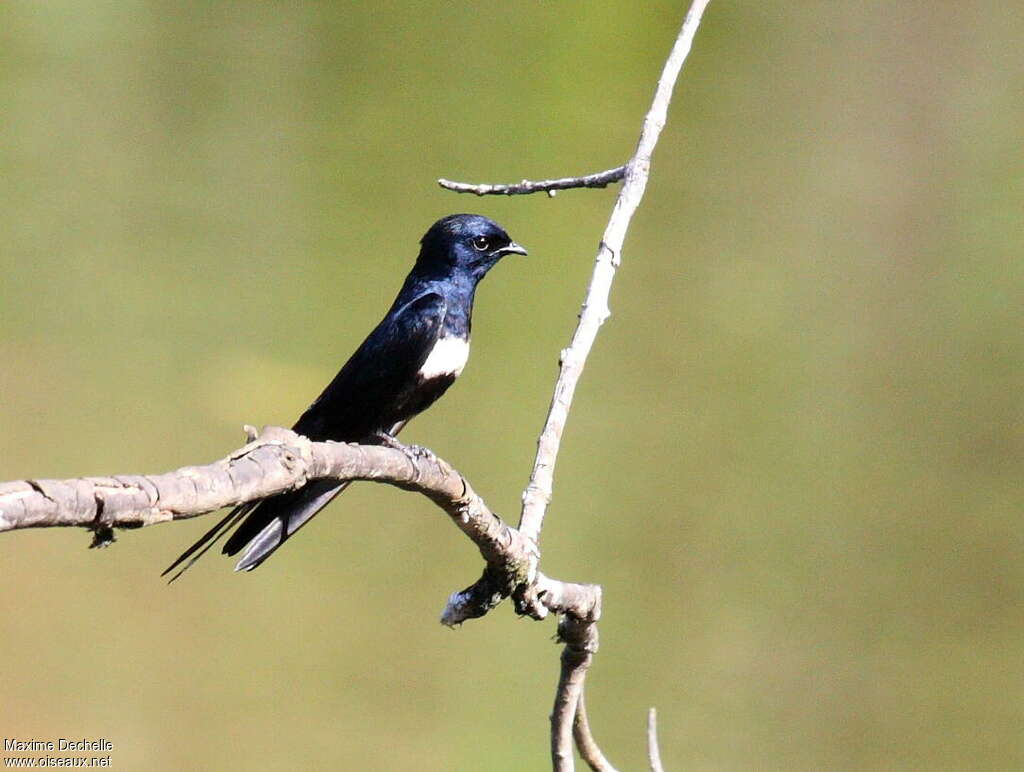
(415, 453)
(388, 441)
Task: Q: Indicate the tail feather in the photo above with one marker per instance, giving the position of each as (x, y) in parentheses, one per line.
(267, 523)
(276, 519)
(208, 539)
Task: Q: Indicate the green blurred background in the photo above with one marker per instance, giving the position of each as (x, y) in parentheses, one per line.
(794, 461)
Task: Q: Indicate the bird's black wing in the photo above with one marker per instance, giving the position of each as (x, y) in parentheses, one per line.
(363, 396)
(353, 407)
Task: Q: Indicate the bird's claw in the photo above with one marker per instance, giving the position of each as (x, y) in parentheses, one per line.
(388, 441)
(415, 453)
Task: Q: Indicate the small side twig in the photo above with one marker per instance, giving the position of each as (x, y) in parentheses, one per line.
(653, 754)
(526, 187)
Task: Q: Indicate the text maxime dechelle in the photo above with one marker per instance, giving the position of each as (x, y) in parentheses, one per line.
(61, 744)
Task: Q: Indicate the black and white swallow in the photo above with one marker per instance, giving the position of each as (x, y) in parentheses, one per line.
(409, 360)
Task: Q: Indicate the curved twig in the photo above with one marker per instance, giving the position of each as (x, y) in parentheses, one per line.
(585, 743)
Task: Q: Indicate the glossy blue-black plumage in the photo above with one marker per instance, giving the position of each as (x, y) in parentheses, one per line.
(380, 387)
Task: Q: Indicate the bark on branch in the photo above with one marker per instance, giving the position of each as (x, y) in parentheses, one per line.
(279, 460)
(551, 187)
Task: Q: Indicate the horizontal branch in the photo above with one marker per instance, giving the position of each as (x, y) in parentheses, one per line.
(280, 460)
(277, 460)
(525, 187)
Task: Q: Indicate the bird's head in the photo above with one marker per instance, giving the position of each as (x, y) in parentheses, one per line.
(469, 243)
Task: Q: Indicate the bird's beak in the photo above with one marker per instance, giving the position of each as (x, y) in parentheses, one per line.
(512, 249)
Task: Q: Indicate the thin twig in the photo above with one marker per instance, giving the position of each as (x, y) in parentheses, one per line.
(595, 305)
(653, 754)
(585, 742)
(596, 180)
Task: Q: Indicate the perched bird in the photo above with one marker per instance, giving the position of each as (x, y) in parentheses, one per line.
(407, 362)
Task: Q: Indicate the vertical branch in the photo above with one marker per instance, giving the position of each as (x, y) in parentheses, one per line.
(595, 305)
(577, 605)
(570, 689)
(579, 634)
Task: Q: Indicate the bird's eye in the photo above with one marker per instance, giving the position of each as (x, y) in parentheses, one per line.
(481, 243)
